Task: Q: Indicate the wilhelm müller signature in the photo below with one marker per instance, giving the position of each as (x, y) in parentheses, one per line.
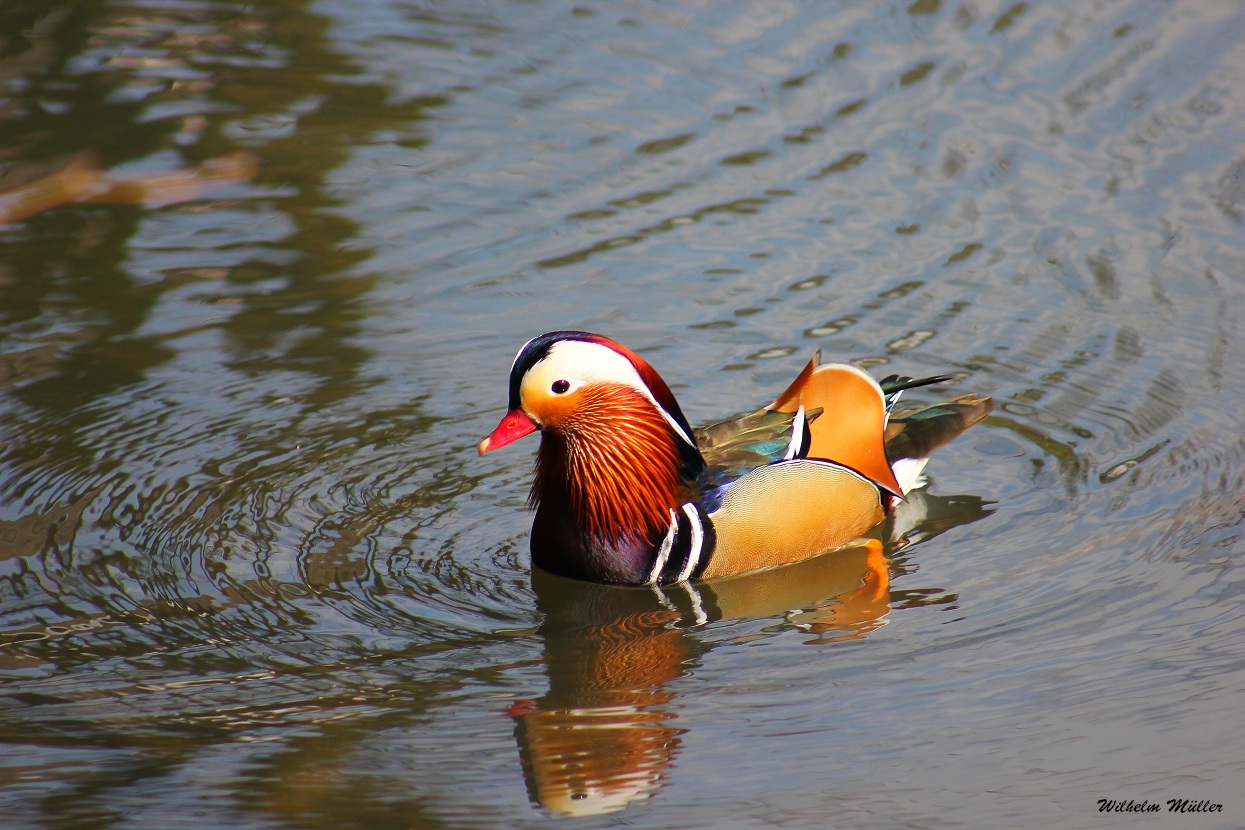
(1174, 805)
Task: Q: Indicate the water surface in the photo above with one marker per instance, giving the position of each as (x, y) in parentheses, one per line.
(253, 574)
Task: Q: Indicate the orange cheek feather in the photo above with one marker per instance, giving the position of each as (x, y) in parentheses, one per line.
(555, 412)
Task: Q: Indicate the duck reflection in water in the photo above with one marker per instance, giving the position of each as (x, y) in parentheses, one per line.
(605, 733)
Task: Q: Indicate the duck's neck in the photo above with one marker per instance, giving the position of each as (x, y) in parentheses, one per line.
(616, 469)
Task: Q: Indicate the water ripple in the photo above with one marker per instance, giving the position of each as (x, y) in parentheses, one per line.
(252, 570)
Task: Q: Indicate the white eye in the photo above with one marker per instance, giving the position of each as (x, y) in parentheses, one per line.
(560, 387)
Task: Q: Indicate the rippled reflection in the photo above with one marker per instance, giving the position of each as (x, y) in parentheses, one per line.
(252, 571)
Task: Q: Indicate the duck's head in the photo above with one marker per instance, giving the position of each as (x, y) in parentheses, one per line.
(614, 442)
(565, 382)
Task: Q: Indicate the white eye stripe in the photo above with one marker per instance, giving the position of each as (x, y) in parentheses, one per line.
(580, 362)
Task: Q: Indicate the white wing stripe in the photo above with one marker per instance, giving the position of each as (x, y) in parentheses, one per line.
(797, 435)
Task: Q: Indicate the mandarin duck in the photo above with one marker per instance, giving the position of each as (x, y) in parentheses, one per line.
(626, 492)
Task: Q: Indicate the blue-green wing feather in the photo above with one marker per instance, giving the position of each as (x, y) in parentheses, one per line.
(736, 447)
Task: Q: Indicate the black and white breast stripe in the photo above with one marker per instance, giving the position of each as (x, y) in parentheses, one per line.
(686, 549)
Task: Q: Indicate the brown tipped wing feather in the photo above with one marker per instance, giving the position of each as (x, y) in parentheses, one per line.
(915, 432)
